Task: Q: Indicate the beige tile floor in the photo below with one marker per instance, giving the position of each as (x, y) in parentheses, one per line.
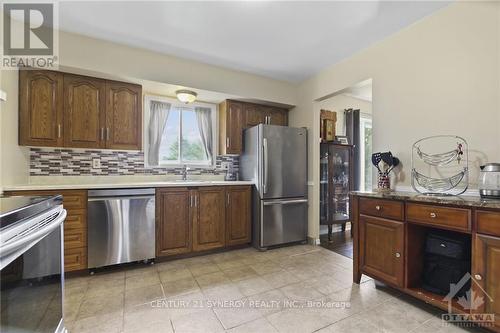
(293, 289)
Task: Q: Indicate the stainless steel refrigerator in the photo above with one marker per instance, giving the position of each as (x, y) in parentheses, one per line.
(275, 158)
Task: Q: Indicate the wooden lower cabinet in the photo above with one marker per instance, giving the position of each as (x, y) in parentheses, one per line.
(381, 249)
(486, 269)
(201, 219)
(209, 218)
(238, 215)
(173, 221)
(75, 259)
(75, 226)
(394, 251)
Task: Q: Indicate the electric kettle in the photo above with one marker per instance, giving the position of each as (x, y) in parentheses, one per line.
(489, 181)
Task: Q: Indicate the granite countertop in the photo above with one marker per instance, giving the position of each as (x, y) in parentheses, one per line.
(116, 185)
(454, 200)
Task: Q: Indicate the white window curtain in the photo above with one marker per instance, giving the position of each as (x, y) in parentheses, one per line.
(158, 115)
(204, 118)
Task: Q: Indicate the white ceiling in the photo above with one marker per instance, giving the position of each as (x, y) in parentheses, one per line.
(283, 40)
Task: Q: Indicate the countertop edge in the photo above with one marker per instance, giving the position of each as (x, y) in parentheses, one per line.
(460, 201)
(46, 187)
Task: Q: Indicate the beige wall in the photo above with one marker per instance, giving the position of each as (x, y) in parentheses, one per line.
(88, 55)
(438, 76)
(1, 157)
(123, 61)
(15, 160)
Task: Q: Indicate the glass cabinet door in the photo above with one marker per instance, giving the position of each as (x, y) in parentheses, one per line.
(339, 182)
(324, 175)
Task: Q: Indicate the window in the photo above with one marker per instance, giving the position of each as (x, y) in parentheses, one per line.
(179, 134)
(366, 134)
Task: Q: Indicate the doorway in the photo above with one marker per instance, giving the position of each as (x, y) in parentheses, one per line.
(344, 161)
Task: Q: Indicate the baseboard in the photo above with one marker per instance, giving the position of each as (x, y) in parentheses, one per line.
(313, 241)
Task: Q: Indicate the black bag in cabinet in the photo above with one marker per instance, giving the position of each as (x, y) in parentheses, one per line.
(447, 258)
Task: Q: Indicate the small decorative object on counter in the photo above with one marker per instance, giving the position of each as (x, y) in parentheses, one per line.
(328, 123)
(385, 163)
(489, 181)
(437, 170)
(384, 182)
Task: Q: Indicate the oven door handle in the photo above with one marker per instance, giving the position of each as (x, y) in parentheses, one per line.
(25, 243)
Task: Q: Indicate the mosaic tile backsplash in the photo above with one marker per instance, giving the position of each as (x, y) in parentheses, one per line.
(69, 162)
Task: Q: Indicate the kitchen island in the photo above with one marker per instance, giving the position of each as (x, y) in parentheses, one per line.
(389, 242)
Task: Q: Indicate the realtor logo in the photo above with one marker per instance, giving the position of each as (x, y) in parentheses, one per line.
(29, 35)
(470, 302)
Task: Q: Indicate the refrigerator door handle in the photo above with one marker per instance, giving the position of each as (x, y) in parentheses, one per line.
(265, 164)
(285, 202)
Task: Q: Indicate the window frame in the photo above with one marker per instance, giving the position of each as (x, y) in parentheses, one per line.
(176, 103)
(365, 121)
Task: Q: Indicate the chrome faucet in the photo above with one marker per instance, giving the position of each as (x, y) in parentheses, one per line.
(185, 170)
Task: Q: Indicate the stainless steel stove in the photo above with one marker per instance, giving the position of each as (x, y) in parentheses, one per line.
(31, 263)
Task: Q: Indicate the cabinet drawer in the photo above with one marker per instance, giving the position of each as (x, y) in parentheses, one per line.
(75, 259)
(76, 219)
(74, 201)
(382, 208)
(488, 222)
(71, 198)
(450, 218)
(75, 238)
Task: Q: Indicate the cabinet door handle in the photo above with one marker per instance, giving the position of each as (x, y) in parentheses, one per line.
(102, 133)
(433, 215)
(227, 142)
(196, 201)
(398, 255)
(378, 208)
(59, 130)
(478, 277)
(190, 201)
(107, 133)
(227, 199)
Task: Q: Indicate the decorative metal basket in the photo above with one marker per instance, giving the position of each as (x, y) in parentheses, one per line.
(440, 165)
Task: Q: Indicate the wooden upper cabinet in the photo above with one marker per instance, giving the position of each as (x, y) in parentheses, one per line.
(235, 116)
(260, 114)
(209, 218)
(66, 110)
(381, 252)
(231, 124)
(173, 221)
(275, 116)
(254, 115)
(84, 111)
(123, 116)
(40, 108)
(486, 269)
(238, 215)
(278, 117)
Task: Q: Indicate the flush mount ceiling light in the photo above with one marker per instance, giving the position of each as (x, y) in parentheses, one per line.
(186, 96)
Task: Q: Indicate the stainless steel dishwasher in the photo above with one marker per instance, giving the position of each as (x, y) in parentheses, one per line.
(121, 226)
